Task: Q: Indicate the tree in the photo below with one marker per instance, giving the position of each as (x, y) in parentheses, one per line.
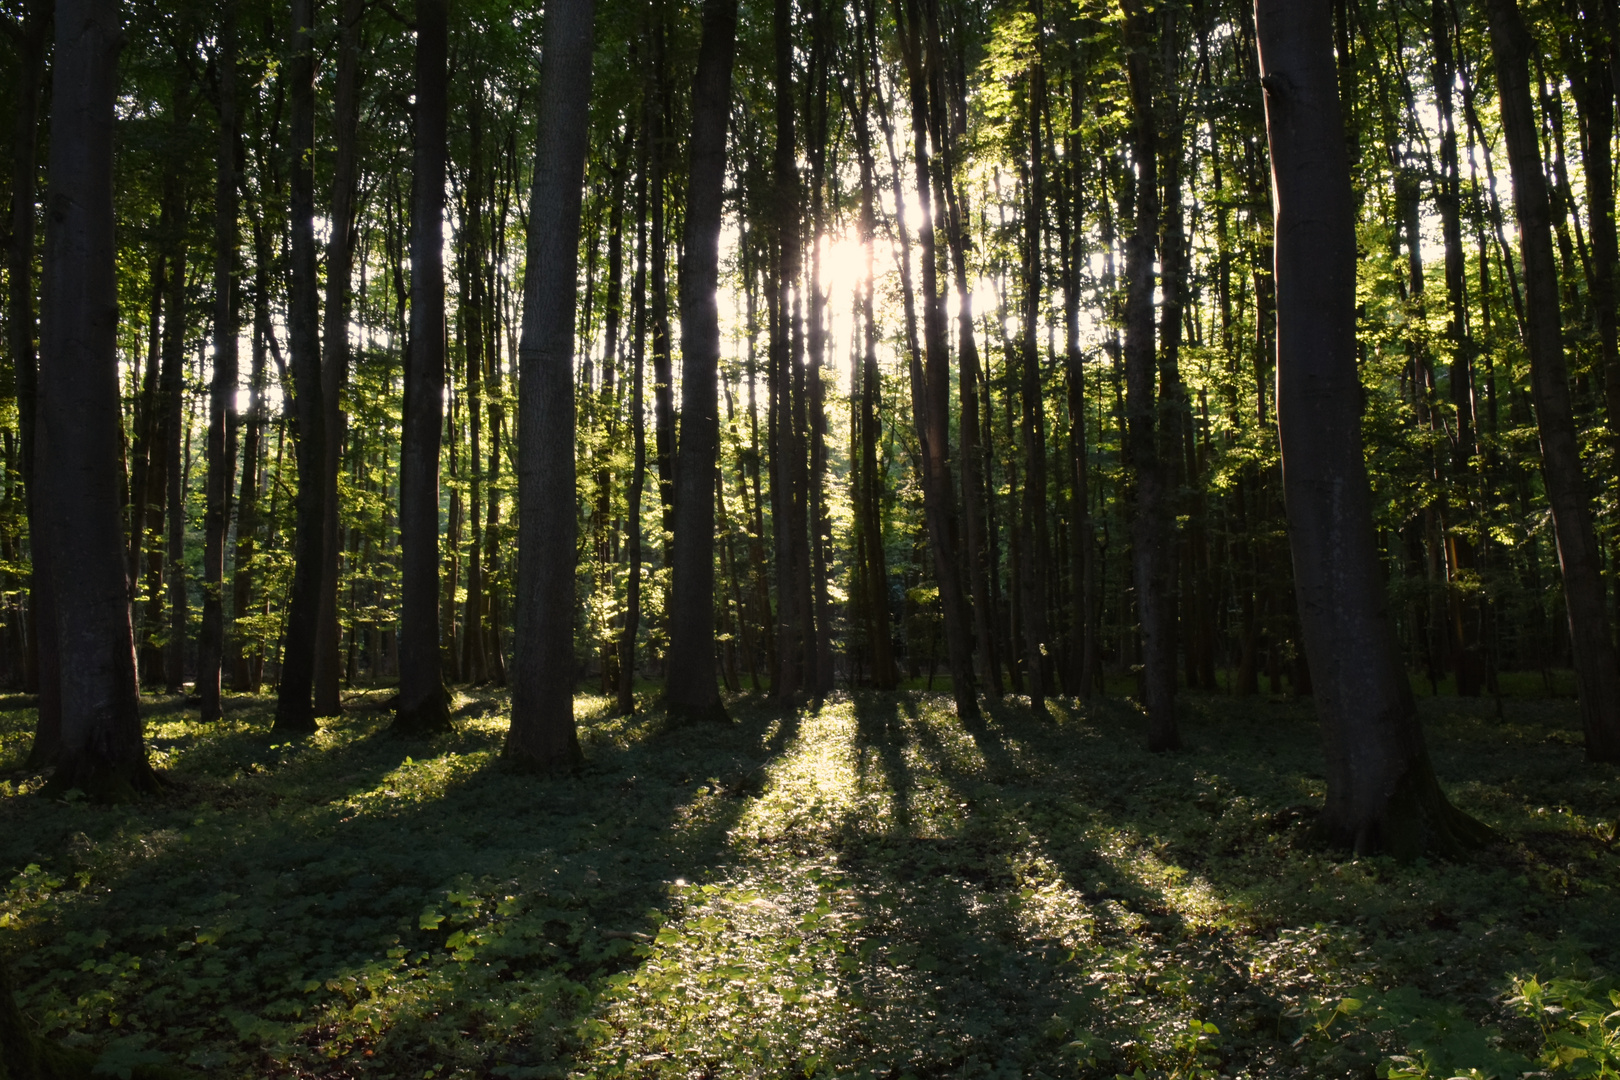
(33, 38)
(295, 713)
(692, 691)
(222, 392)
(1382, 792)
(1149, 530)
(423, 706)
(1597, 669)
(542, 735)
(80, 443)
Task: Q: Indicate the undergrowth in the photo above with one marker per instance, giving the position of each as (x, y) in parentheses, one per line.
(870, 888)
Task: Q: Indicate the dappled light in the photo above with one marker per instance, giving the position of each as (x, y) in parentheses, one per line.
(868, 886)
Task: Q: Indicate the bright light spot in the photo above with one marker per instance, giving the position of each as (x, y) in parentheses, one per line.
(843, 265)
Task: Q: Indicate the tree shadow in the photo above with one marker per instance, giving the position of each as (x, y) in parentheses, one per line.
(284, 895)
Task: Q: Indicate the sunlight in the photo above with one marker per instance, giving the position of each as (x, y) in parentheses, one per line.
(843, 266)
(820, 782)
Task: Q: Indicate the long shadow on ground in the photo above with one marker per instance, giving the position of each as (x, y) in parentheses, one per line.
(358, 902)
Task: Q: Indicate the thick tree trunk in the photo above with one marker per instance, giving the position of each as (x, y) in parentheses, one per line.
(80, 446)
(1150, 530)
(1597, 670)
(691, 692)
(423, 708)
(542, 735)
(20, 327)
(1382, 793)
(295, 714)
(222, 393)
(335, 359)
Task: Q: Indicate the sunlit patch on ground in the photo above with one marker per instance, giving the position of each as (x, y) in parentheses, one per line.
(868, 887)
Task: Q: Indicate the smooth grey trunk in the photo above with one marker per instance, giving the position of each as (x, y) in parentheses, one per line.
(80, 443)
(542, 736)
(1382, 793)
(222, 392)
(691, 690)
(423, 705)
(1597, 670)
(295, 714)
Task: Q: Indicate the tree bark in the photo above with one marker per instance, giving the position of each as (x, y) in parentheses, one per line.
(80, 445)
(625, 703)
(1033, 434)
(542, 735)
(222, 392)
(172, 391)
(790, 640)
(1597, 671)
(21, 327)
(691, 692)
(1382, 793)
(934, 392)
(423, 707)
(335, 359)
(1149, 533)
(295, 714)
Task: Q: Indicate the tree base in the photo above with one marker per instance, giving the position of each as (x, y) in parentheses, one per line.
(1416, 821)
(424, 719)
(543, 766)
(683, 714)
(103, 781)
(294, 723)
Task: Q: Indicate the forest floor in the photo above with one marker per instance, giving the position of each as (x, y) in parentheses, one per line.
(870, 888)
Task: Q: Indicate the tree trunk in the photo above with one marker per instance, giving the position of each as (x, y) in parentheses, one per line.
(934, 396)
(222, 393)
(335, 360)
(785, 680)
(1597, 672)
(245, 667)
(868, 494)
(21, 327)
(80, 445)
(1033, 435)
(691, 692)
(172, 392)
(295, 714)
(542, 735)
(1382, 793)
(626, 701)
(1149, 533)
(423, 708)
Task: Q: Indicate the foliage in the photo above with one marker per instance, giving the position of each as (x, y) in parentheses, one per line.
(868, 888)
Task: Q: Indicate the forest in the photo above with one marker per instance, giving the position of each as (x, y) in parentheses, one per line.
(810, 538)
